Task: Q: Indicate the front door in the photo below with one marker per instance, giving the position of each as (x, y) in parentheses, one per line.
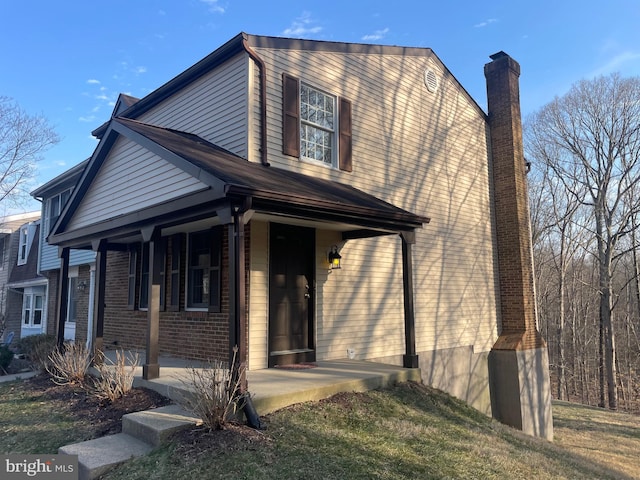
(291, 295)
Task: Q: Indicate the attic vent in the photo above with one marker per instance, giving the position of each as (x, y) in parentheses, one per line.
(431, 80)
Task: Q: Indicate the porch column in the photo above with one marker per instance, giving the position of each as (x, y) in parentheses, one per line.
(151, 367)
(237, 293)
(99, 297)
(410, 359)
(63, 294)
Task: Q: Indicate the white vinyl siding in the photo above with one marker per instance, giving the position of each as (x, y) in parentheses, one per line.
(214, 107)
(424, 152)
(131, 179)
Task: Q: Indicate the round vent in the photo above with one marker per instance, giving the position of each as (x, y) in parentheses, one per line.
(430, 80)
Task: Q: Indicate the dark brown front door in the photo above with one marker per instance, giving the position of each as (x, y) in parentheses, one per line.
(291, 293)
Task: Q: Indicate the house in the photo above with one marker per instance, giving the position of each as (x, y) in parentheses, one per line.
(80, 276)
(22, 290)
(307, 200)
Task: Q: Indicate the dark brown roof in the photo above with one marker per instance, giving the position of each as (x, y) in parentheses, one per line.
(244, 178)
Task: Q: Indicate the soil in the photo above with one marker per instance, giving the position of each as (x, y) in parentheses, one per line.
(105, 417)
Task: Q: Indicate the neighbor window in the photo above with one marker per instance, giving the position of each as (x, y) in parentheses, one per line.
(32, 307)
(23, 246)
(55, 204)
(203, 270)
(316, 125)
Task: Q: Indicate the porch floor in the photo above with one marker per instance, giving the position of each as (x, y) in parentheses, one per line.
(275, 388)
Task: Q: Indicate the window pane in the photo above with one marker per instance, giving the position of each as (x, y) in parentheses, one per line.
(37, 317)
(27, 316)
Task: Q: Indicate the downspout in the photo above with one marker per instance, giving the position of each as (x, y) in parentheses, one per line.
(263, 101)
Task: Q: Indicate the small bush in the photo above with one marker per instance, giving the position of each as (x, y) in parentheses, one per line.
(70, 364)
(6, 356)
(115, 379)
(37, 349)
(212, 394)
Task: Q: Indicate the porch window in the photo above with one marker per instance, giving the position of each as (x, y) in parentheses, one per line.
(203, 270)
(131, 295)
(174, 272)
(144, 276)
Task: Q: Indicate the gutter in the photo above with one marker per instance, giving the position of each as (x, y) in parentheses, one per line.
(263, 100)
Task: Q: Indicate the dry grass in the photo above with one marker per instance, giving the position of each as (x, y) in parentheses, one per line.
(614, 438)
(70, 364)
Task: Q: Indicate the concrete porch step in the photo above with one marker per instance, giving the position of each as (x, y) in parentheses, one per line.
(141, 433)
(155, 426)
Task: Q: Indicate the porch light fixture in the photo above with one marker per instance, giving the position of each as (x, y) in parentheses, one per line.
(82, 285)
(334, 258)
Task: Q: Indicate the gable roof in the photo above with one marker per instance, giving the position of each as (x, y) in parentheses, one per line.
(243, 42)
(230, 177)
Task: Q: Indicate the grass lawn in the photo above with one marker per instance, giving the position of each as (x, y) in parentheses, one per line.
(405, 432)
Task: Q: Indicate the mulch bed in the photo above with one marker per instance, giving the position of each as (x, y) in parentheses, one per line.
(105, 417)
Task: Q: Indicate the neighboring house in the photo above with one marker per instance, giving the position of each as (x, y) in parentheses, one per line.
(80, 276)
(22, 290)
(217, 204)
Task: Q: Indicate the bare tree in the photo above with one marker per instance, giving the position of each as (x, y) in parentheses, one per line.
(590, 138)
(23, 139)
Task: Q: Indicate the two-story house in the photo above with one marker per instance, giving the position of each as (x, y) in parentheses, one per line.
(308, 201)
(80, 275)
(22, 289)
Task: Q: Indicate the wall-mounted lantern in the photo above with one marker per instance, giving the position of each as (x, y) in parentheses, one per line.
(334, 258)
(82, 286)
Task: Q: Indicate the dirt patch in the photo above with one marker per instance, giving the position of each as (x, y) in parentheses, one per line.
(193, 443)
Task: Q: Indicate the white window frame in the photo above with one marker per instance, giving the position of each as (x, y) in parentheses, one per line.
(307, 123)
(29, 309)
(23, 245)
(53, 210)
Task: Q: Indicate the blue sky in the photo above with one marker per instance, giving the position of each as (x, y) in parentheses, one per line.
(69, 60)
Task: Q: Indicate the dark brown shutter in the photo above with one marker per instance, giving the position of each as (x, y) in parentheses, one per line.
(290, 115)
(345, 135)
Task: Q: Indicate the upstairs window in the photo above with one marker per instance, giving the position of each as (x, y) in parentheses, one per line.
(55, 204)
(23, 246)
(313, 128)
(317, 125)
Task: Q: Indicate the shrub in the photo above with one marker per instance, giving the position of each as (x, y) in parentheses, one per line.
(6, 355)
(211, 394)
(37, 349)
(70, 364)
(115, 379)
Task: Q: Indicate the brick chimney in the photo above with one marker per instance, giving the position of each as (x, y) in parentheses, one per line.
(515, 262)
(518, 362)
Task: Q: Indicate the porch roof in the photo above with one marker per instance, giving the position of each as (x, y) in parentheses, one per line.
(233, 179)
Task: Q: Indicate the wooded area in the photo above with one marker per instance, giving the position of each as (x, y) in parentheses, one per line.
(584, 188)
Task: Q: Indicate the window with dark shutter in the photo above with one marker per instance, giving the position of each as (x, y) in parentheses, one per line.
(291, 115)
(344, 126)
(203, 270)
(174, 273)
(309, 127)
(131, 295)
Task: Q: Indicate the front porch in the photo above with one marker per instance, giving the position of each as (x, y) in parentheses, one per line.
(275, 388)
